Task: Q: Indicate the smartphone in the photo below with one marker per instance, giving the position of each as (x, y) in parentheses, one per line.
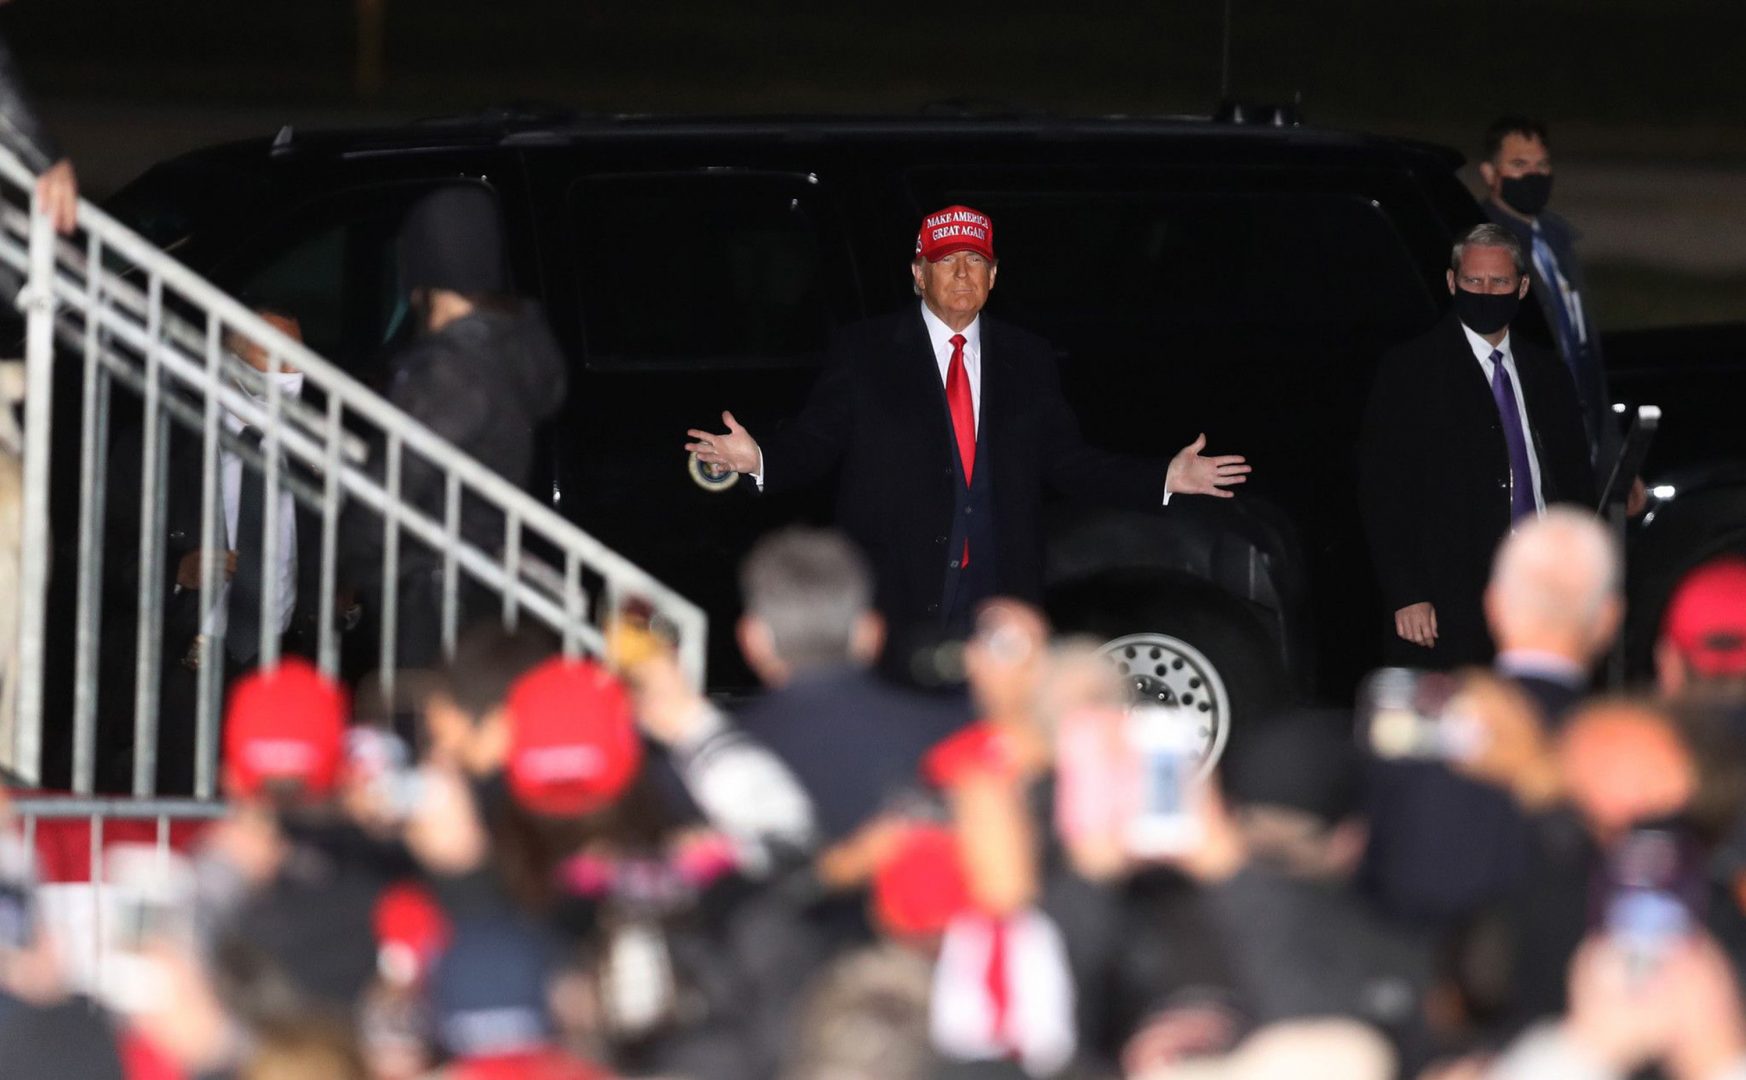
(1166, 743)
(1406, 715)
(1650, 894)
(384, 762)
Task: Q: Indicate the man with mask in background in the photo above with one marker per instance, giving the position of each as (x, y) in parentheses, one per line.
(1517, 171)
(193, 623)
(1468, 432)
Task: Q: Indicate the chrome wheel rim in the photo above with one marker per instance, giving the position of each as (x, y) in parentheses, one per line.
(1162, 670)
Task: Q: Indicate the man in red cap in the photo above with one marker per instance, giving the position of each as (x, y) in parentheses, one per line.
(946, 426)
(1703, 634)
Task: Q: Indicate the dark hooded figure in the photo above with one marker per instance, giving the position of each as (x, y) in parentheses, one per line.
(483, 372)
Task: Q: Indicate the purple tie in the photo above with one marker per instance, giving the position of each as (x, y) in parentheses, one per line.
(1521, 478)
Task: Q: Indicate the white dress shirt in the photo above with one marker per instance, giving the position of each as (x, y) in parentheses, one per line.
(1482, 349)
(940, 336)
(230, 467)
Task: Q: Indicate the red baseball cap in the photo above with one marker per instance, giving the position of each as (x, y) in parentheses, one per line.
(286, 723)
(411, 932)
(921, 886)
(1706, 619)
(573, 742)
(956, 228)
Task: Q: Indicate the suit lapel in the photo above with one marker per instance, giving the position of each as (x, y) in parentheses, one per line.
(920, 384)
(1532, 373)
(994, 390)
(1469, 376)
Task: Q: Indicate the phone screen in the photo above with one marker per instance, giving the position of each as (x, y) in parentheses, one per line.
(1166, 821)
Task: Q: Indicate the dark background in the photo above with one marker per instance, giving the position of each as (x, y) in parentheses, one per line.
(1645, 100)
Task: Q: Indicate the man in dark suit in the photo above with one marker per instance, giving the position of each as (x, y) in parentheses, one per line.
(1467, 434)
(946, 427)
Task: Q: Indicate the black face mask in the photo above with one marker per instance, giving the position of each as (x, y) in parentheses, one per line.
(1485, 313)
(1526, 194)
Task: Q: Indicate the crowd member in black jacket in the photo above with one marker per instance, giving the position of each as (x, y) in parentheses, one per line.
(811, 635)
(482, 374)
(947, 427)
(1274, 930)
(1445, 471)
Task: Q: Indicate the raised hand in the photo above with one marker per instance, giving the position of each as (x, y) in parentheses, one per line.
(1192, 473)
(736, 449)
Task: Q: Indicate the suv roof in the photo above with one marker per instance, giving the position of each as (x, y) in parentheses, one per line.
(524, 128)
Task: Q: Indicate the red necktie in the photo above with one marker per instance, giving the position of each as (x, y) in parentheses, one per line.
(994, 980)
(963, 418)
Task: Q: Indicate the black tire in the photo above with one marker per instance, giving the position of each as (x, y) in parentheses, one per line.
(1232, 638)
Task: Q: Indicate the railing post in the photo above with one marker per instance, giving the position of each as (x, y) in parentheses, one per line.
(38, 302)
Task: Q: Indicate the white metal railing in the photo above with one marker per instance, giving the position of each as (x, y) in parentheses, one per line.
(130, 316)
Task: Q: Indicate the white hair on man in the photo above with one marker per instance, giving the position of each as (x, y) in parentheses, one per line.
(1555, 587)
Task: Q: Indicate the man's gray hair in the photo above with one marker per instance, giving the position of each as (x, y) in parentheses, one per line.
(1562, 567)
(1492, 236)
(810, 587)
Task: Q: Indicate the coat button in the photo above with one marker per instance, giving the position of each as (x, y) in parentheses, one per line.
(940, 541)
(933, 609)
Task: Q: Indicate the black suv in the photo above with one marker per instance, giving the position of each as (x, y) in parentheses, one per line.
(1194, 276)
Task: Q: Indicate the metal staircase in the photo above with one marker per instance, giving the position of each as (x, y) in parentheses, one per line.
(135, 322)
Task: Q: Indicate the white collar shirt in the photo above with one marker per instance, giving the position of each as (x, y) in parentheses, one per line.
(230, 467)
(1539, 664)
(1482, 350)
(940, 337)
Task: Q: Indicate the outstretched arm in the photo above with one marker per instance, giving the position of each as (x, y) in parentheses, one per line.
(1074, 466)
(799, 454)
(1194, 473)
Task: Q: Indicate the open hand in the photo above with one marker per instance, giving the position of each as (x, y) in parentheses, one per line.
(1417, 623)
(57, 195)
(736, 450)
(1192, 473)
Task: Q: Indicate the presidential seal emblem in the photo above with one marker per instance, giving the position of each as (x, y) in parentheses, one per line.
(711, 478)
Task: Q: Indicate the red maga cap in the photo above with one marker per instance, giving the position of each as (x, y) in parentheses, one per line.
(573, 742)
(956, 228)
(921, 886)
(286, 723)
(1706, 619)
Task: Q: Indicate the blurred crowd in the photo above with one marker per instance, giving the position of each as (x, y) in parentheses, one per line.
(563, 867)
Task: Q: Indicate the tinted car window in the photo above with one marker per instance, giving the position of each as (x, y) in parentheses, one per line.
(707, 269)
(1329, 262)
(333, 264)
